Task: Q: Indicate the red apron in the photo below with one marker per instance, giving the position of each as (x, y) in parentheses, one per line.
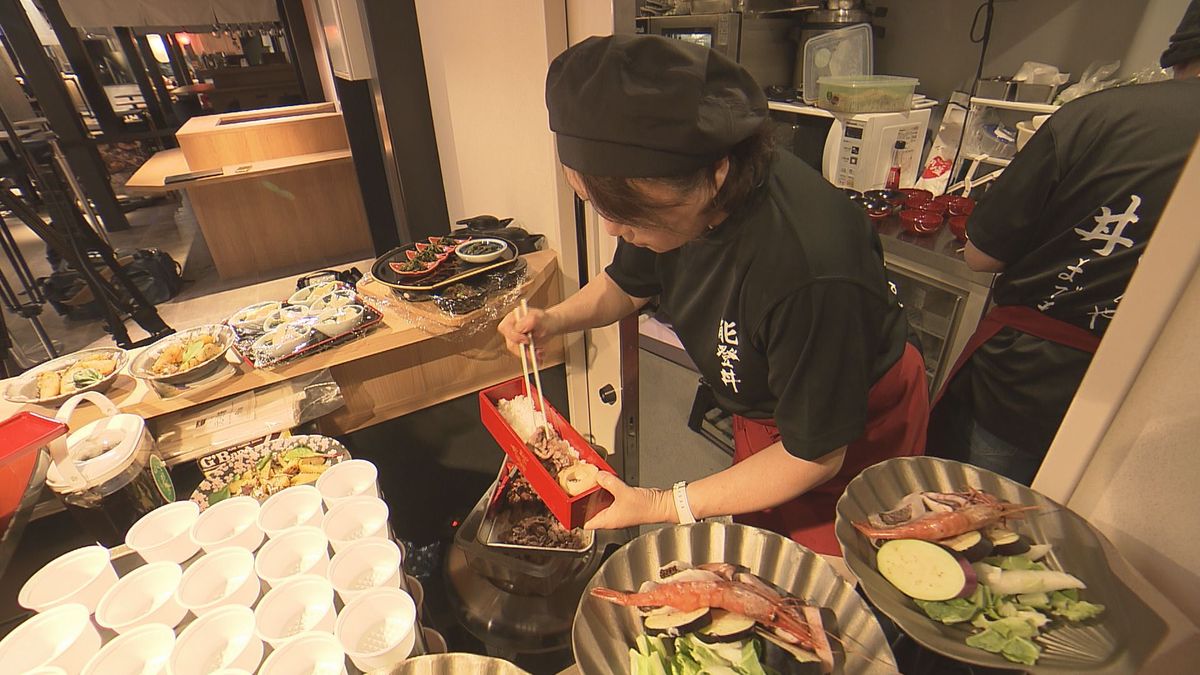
(1027, 320)
(897, 412)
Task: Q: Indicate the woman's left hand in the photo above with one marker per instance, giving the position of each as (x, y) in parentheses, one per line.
(631, 505)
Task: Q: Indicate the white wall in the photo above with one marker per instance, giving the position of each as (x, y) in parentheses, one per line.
(929, 39)
(1125, 456)
(486, 65)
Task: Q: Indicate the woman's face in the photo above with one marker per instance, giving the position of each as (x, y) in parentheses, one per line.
(687, 217)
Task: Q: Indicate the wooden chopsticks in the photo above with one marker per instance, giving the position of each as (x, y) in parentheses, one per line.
(537, 378)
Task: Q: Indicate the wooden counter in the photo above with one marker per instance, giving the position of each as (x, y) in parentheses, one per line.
(391, 371)
(287, 194)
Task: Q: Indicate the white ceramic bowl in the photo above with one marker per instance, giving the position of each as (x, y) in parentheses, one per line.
(292, 507)
(81, 576)
(333, 322)
(145, 595)
(352, 478)
(231, 523)
(250, 319)
(142, 651)
(309, 294)
(163, 535)
(500, 246)
(61, 636)
(223, 638)
(353, 519)
(318, 653)
(333, 300)
(364, 565)
(298, 605)
(377, 630)
(300, 550)
(225, 577)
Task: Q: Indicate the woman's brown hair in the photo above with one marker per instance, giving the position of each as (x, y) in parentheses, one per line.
(621, 201)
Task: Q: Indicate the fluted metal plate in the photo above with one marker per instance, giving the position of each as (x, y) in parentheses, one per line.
(1117, 642)
(454, 664)
(604, 632)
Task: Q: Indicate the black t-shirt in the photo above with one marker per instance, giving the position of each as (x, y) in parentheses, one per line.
(1070, 218)
(785, 307)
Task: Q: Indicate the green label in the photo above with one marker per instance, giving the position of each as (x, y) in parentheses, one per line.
(162, 478)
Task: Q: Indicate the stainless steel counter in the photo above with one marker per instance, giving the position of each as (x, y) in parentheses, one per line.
(941, 252)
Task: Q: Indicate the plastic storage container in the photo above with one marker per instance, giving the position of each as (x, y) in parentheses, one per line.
(846, 52)
(866, 94)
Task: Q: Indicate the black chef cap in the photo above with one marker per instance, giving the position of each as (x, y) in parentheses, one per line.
(1185, 43)
(642, 106)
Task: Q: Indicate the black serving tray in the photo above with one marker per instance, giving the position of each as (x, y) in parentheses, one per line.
(451, 271)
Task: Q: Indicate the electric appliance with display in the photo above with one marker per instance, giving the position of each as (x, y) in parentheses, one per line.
(761, 44)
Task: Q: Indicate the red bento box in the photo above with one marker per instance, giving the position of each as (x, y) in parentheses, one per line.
(572, 512)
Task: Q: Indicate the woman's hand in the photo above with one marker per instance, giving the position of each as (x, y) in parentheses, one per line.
(631, 505)
(536, 323)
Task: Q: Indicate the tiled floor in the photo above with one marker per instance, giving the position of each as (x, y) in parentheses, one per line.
(205, 297)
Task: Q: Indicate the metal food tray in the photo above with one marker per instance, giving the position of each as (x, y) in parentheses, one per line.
(494, 520)
(603, 632)
(243, 342)
(1119, 641)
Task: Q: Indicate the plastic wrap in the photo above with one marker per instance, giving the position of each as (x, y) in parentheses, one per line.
(277, 408)
(460, 310)
(301, 327)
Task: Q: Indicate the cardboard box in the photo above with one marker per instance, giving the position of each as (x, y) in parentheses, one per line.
(571, 511)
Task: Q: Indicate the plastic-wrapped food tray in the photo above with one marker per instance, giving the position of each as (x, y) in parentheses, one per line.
(243, 342)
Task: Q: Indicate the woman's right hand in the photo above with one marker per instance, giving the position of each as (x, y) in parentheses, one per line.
(536, 323)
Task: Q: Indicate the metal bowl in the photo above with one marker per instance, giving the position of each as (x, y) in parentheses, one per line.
(142, 363)
(603, 632)
(455, 664)
(1117, 642)
(23, 388)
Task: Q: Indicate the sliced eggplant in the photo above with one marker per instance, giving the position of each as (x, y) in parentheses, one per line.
(1007, 542)
(924, 570)
(971, 545)
(674, 623)
(726, 627)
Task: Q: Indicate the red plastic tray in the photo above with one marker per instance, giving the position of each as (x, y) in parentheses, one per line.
(571, 511)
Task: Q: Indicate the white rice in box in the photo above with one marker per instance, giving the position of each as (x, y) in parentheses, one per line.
(521, 416)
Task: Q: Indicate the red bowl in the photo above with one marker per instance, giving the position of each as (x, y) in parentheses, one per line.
(921, 222)
(933, 206)
(959, 206)
(915, 196)
(958, 225)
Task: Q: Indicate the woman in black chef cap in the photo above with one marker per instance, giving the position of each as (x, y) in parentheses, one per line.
(773, 279)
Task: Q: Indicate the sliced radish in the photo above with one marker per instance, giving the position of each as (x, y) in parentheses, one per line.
(1038, 551)
(923, 570)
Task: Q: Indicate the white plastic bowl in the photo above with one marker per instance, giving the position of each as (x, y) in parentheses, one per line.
(500, 246)
(144, 596)
(333, 300)
(81, 576)
(292, 507)
(223, 638)
(300, 550)
(364, 565)
(163, 534)
(298, 605)
(225, 577)
(243, 320)
(280, 341)
(316, 653)
(142, 651)
(355, 518)
(309, 294)
(352, 478)
(377, 630)
(61, 636)
(232, 523)
(285, 315)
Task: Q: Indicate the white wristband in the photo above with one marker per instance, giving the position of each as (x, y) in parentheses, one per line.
(683, 510)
